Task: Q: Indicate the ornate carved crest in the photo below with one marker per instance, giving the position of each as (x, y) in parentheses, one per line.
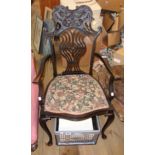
(80, 18)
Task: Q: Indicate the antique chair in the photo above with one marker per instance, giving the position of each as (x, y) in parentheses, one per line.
(73, 94)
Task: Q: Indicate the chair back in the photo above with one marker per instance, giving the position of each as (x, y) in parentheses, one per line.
(72, 30)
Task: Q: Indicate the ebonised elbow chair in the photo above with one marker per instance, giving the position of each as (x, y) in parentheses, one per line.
(73, 94)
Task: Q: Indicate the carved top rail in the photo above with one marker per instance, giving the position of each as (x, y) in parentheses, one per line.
(71, 28)
(80, 18)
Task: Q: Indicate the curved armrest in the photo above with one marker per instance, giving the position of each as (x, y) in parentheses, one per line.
(106, 64)
(38, 77)
(112, 78)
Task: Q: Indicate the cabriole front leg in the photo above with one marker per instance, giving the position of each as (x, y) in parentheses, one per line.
(110, 119)
(45, 128)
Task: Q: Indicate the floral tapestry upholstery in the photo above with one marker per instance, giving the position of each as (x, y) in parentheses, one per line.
(74, 94)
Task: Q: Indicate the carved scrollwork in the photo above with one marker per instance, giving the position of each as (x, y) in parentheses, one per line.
(80, 18)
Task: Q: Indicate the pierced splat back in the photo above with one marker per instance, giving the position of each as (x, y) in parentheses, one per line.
(72, 27)
(72, 48)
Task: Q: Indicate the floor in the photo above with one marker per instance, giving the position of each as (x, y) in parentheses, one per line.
(113, 145)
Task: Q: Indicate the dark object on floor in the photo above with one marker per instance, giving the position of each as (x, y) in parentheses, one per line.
(34, 147)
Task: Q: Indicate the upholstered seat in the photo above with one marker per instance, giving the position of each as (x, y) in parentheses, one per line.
(74, 94)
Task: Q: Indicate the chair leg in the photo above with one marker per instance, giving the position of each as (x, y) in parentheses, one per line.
(45, 128)
(110, 119)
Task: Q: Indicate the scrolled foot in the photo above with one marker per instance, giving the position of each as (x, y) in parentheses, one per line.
(45, 128)
(110, 119)
(50, 143)
(104, 136)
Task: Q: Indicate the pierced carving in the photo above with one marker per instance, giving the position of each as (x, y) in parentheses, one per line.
(72, 48)
(80, 18)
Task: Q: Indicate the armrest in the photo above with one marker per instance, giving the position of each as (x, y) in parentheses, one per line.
(112, 78)
(38, 77)
(106, 64)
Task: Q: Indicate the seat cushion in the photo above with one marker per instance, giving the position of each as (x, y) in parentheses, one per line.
(74, 94)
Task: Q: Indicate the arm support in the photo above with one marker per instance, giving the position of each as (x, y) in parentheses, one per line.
(106, 64)
(112, 78)
(38, 77)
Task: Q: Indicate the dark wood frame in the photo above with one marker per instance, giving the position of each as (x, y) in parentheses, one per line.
(84, 27)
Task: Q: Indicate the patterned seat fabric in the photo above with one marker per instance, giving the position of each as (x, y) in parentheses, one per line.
(74, 94)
